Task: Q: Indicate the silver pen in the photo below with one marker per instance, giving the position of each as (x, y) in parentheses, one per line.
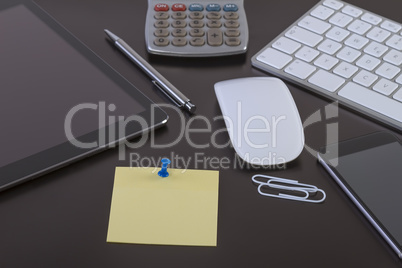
(161, 82)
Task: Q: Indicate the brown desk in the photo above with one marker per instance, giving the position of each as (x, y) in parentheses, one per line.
(61, 219)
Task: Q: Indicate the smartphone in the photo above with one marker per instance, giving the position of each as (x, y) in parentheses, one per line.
(369, 170)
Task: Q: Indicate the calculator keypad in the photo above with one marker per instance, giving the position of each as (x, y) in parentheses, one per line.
(185, 28)
(219, 26)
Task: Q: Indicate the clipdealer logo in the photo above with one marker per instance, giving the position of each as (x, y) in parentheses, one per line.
(106, 117)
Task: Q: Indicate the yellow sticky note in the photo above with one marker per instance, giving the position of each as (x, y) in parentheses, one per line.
(181, 209)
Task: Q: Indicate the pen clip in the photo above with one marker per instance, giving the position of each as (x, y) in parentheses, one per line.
(166, 94)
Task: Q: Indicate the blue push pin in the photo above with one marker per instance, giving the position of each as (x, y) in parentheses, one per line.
(163, 172)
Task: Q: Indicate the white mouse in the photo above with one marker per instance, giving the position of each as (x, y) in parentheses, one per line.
(262, 119)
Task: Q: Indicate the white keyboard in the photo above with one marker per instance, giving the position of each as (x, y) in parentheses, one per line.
(345, 53)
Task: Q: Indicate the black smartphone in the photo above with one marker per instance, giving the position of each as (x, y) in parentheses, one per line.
(369, 170)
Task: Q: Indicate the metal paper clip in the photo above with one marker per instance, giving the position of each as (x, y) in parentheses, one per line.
(305, 190)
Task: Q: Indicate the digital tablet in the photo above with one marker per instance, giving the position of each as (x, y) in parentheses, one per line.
(59, 102)
(369, 170)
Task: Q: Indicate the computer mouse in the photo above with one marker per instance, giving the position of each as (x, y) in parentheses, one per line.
(262, 120)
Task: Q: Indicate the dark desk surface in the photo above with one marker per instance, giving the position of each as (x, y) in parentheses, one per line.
(61, 219)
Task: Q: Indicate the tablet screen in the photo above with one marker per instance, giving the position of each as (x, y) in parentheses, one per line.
(375, 177)
(42, 78)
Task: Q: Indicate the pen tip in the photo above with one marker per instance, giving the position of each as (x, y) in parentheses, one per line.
(111, 35)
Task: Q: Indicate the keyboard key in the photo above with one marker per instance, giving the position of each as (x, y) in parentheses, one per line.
(330, 47)
(370, 18)
(345, 69)
(379, 35)
(304, 36)
(333, 4)
(395, 42)
(356, 41)
(394, 57)
(399, 79)
(337, 34)
(314, 25)
(368, 62)
(322, 12)
(365, 78)
(307, 54)
(359, 27)
(391, 26)
(300, 69)
(375, 49)
(286, 45)
(372, 100)
(348, 54)
(326, 80)
(385, 86)
(387, 70)
(340, 19)
(326, 62)
(352, 11)
(274, 58)
(398, 95)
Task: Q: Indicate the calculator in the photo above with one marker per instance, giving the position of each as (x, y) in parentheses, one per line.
(196, 29)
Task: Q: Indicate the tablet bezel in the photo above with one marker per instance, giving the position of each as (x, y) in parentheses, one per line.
(60, 155)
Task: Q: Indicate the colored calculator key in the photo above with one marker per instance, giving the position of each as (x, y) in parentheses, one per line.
(196, 29)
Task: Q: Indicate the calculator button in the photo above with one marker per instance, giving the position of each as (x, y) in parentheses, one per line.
(197, 41)
(214, 24)
(161, 24)
(214, 15)
(213, 7)
(230, 7)
(231, 16)
(179, 7)
(215, 37)
(161, 32)
(197, 32)
(179, 15)
(232, 41)
(196, 15)
(179, 24)
(196, 24)
(179, 32)
(232, 33)
(177, 41)
(161, 15)
(232, 24)
(162, 42)
(196, 7)
(161, 7)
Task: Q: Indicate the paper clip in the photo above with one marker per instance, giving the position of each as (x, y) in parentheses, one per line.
(306, 190)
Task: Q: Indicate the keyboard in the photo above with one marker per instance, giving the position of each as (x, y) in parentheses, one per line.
(344, 53)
